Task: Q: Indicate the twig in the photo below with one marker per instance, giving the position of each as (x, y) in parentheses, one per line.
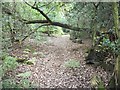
(50, 10)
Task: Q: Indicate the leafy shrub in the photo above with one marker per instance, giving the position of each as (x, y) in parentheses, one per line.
(23, 83)
(9, 83)
(112, 47)
(72, 63)
(38, 37)
(58, 31)
(9, 63)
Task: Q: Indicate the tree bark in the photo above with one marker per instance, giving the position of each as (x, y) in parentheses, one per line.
(115, 79)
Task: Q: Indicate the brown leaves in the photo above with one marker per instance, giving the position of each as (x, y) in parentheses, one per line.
(50, 71)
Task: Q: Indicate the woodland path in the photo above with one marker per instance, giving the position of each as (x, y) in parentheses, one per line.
(49, 70)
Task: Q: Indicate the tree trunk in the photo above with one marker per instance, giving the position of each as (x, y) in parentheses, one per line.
(94, 27)
(115, 79)
(95, 21)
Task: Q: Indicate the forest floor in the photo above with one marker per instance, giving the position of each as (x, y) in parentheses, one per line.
(49, 70)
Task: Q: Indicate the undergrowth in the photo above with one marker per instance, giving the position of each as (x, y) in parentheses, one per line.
(8, 81)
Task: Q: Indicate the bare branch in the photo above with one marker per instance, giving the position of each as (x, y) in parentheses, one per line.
(50, 10)
(58, 24)
(34, 31)
(41, 12)
(34, 3)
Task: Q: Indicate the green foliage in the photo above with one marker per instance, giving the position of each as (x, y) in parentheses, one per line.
(52, 30)
(97, 82)
(79, 15)
(3, 55)
(106, 42)
(72, 63)
(9, 63)
(1, 71)
(38, 37)
(9, 83)
(24, 75)
(58, 31)
(113, 47)
(76, 13)
(23, 83)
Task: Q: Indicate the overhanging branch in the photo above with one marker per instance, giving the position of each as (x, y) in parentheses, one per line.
(48, 21)
(58, 24)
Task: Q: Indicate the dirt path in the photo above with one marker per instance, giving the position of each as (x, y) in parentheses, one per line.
(49, 71)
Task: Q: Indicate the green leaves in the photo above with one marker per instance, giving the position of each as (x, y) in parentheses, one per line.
(9, 63)
(106, 42)
(97, 82)
(113, 47)
(9, 83)
(24, 75)
(23, 83)
(72, 63)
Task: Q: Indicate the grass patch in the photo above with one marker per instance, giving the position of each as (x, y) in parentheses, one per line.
(72, 63)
